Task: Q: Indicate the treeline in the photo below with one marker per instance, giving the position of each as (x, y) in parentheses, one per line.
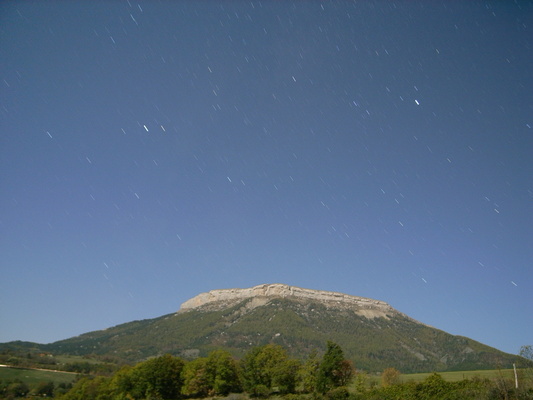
(27, 360)
(434, 387)
(33, 360)
(268, 370)
(16, 389)
(262, 372)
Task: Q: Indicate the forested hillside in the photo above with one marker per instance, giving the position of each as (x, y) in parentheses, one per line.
(373, 344)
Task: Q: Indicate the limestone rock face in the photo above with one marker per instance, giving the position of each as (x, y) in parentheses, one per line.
(262, 294)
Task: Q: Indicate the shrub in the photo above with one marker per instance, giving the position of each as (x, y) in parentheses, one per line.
(339, 393)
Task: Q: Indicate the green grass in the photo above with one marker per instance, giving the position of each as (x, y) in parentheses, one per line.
(30, 376)
(67, 359)
(455, 376)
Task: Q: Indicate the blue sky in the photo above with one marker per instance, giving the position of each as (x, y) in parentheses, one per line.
(151, 151)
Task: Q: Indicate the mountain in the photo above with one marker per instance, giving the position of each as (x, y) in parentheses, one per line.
(372, 333)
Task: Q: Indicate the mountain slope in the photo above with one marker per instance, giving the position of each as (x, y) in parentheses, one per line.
(372, 333)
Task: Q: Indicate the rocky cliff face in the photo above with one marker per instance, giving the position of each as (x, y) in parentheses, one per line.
(262, 294)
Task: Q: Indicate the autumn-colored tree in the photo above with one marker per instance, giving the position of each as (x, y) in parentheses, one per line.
(345, 373)
(391, 376)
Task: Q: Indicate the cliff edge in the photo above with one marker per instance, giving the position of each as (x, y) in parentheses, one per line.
(262, 294)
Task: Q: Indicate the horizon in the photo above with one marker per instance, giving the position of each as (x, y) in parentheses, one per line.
(251, 287)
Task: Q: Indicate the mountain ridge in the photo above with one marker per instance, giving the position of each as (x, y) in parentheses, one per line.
(220, 298)
(373, 334)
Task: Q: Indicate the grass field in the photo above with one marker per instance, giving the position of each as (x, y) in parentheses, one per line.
(455, 376)
(31, 376)
(64, 359)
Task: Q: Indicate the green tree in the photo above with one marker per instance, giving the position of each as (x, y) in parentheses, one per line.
(215, 375)
(525, 377)
(268, 368)
(332, 368)
(308, 373)
(44, 389)
(158, 377)
(121, 382)
(224, 372)
(435, 387)
(526, 351)
(17, 389)
(285, 376)
(62, 388)
(361, 382)
(196, 381)
(87, 389)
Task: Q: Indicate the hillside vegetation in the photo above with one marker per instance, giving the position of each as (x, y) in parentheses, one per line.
(373, 344)
(263, 372)
(268, 372)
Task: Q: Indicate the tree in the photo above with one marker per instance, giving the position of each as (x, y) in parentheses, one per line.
(17, 389)
(224, 373)
(434, 387)
(391, 376)
(44, 389)
(87, 389)
(526, 352)
(121, 382)
(361, 381)
(285, 376)
(308, 373)
(215, 375)
(345, 373)
(159, 377)
(526, 371)
(268, 368)
(333, 371)
(196, 382)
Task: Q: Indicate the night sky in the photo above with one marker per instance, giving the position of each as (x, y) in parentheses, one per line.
(151, 151)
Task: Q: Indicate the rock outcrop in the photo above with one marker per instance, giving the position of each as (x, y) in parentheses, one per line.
(262, 294)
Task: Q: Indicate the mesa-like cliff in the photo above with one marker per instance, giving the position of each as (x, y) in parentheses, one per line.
(372, 334)
(223, 298)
